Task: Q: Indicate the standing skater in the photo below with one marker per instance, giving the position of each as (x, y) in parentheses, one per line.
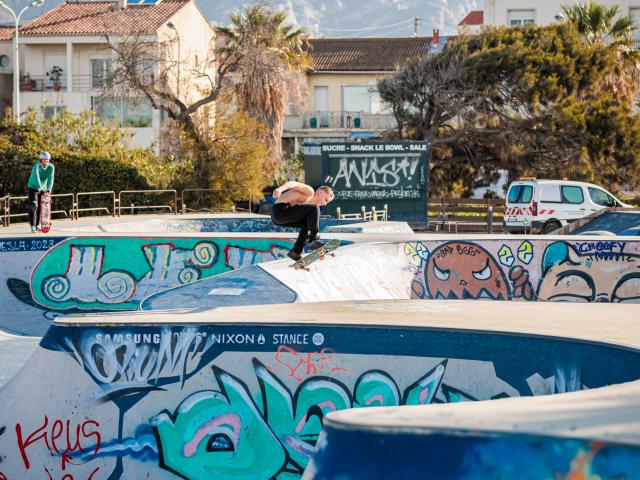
(297, 205)
(40, 183)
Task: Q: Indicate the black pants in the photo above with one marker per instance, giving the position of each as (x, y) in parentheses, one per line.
(35, 197)
(305, 217)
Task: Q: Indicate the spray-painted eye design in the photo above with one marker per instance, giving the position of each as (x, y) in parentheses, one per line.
(483, 274)
(441, 274)
(220, 442)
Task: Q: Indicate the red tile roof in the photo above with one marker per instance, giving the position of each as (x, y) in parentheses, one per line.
(475, 17)
(365, 54)
(6, 33)
(98, 18)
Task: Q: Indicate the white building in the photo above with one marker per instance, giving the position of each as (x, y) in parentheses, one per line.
(542, 12)
(71, 39)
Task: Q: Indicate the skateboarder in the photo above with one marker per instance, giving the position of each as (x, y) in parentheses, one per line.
(40, 182)
(298, 205)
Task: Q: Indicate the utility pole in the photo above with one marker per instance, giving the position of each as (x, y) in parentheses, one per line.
(16, 54)
(416, 26)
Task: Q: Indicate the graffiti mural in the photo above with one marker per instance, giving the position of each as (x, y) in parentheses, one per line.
(586, 271)
(248, 401)
(118, 273)
(591, 272)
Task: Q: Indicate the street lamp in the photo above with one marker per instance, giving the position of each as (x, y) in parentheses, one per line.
(16, 55)
(172, 26)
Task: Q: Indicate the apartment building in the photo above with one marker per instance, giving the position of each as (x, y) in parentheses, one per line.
(542, 12)
(342, 102)
(67, 60)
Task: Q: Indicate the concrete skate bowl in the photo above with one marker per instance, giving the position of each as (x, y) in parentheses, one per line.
(242, 393)
(42, 277)
(501, 268)
(615, 222)
(206, 224)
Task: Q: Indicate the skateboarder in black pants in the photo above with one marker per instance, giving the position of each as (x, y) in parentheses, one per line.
(298, 205)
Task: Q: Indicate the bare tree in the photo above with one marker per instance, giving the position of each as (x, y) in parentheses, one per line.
(145, 66)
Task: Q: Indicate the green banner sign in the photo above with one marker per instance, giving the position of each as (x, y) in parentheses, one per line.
(374, 174)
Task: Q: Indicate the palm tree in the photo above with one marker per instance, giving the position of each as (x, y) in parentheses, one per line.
(270, 64)
(599, 25)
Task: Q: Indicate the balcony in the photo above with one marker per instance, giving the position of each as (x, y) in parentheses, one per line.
(339, 120)
(42, 83)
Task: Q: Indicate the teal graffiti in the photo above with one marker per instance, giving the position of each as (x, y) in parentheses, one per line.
(226, 434)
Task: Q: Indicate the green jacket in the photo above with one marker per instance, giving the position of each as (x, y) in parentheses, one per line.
(41, 179)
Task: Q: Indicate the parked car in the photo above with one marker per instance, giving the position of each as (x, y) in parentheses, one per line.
(546, 205)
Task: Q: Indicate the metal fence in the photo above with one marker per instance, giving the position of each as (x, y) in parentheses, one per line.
(126, 202)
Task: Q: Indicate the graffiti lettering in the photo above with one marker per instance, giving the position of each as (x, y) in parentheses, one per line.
(114, 273)
(367, 172)
(281, 437)
(60, 438)
(124, 360)
(238, 257)
(602, 249)
(305, 364)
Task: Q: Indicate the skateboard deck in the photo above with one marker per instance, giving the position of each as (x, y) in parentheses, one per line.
(318, 254)
(45, 213)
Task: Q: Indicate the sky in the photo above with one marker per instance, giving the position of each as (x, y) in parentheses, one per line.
(337, 18)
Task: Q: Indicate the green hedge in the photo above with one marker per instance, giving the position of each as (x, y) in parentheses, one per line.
(74, 173)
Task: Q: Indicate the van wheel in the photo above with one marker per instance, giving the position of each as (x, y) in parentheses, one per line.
(550, 226)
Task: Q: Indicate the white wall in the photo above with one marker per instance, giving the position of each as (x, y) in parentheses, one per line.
(196, 50)
(496, 11)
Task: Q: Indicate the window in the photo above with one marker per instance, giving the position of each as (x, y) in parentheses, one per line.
(520, 194)
(100, 72)
(521, 17)
(356, 99)
(52, 110)
(550, 193)
(634, 13)
(4, 61)
(132, 112)
(602, 198)
(136, 113)
(572, 194)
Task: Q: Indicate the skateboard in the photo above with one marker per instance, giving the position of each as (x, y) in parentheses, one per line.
(45, 213)
(318, 254)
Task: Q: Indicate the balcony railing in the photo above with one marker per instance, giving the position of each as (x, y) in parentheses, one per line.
(343, 119)
(81, 83)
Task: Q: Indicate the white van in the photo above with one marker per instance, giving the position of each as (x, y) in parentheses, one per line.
(546, 205)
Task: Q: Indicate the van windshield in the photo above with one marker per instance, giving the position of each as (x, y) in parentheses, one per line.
(520, 194)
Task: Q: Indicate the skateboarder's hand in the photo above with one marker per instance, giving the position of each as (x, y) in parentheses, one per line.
(276, 193)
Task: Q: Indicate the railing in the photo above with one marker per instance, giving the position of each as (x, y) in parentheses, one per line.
(83, 202)
(468, 214)
(79, 195)
(4, 205)
(208, 192)
(372, 215)
(80, 83)
(133, 207)
(42, 83)
(341, 119)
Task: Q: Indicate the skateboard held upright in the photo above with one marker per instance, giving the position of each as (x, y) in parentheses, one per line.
(45, 212)
(318, 254)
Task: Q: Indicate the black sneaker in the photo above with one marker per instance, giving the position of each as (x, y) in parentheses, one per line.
(293, 255)
(315, 244)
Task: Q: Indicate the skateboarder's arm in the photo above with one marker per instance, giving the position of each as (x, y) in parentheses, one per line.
(49, 183)
(291, 185)
(35, 181)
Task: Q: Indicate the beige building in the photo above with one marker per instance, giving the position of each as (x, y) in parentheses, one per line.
(6, 67)
(342, 101)
(67, 59)
(542, 12)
